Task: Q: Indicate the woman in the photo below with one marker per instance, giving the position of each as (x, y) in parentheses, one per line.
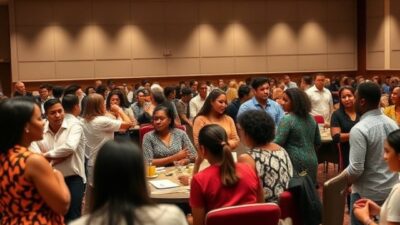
(213, 112)
(223, 183)
(121, 196)
(31, 192)
(298, 133)
(272, 162)
(117, 97)
(232, 91)
(98, 129)
(166, 144)
(343, 120)
(365, 209)
(393, 111)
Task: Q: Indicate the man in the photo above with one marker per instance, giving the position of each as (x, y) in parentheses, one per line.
(260, 89)
(244, 93)
(197, 102)
(321, 99)
(305, 83)
(138, 106)
(44, 95)
(193, 84)
(288, 83)
(20, 89)
(222, 85)
(63, 145)
(367, 172)
(182, 106)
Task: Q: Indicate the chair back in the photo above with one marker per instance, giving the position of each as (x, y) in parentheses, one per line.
(288, 208)
(149, 127)
(254, 214)
(319, 119)
(334, 197)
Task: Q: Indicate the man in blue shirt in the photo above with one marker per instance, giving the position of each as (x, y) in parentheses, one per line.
(260, 88)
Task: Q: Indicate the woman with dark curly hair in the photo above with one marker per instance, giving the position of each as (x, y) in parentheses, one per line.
(298, 132)
(271, 161)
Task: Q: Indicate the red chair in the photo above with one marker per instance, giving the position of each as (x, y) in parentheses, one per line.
(319, 119)
(147, 128)
(288, 208)
(254, 214)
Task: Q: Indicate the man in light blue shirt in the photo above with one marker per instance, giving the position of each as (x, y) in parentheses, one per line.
(368, 172)
(260, 88)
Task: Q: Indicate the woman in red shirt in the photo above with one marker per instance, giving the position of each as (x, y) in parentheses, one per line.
(224, 183)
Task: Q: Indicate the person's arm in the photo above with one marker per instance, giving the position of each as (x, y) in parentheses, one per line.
(197, 125)
(126, 122)
(199, 215)
(188, 145)
(192, 109)
(358, 148)
(338, 136)
(182, 154)
(185, 119)
(197, 201)
(70, 145)
(49, 183)
(282, 132)
(364, 209)
(233, 139)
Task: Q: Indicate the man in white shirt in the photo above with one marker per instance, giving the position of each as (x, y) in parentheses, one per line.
(63, 145)
(197, 102)
(321, 99)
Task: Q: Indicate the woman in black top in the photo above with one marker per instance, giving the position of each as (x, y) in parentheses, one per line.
(343, 120)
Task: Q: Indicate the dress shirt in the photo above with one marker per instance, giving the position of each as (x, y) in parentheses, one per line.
(321, 102)
(371, 175)
(273, 109)
(69, 141)
(195, 105)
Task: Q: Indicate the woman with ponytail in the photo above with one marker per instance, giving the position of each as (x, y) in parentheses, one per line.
(224, 183)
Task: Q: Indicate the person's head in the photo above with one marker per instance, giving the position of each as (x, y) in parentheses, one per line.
(319, 81)
(90, 90)
(111, 84)
(163, 117)
(395, 95)
(221, 84)
(297, 102)
(256, 128)
(146, 84)
(346, 96)
(213, 145)
(306, 82)
(170, 92)
(141, 95)
(119, 178)
(44, 91)
(54, 112)
(57, 91)
(193, 84)
(97, 83)
(21, 123)
(260, 87)
(20, 87)
(392, 151)
(286, 79)
(70, 103)
(377, 80)
(244, 93)
(102, 90)
(94, 107)
(368, 96)
(157, 96)
(186, 94)
(233, 84)
(116, 97)
(344, 81)
(215, 103)
(277, 93)
(73, 89)
(202, 89)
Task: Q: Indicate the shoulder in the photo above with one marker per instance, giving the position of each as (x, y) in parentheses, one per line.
(178, 131)
(388, 109)
(161, 214)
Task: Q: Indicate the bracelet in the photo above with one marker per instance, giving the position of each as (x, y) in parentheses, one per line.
(369, 221)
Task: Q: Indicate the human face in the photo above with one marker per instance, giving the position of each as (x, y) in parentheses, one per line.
(35, 126)
(395, 95)
(319, 82)
(219, 104)
(391, 157)
(262, 92)
(160, 120)
(20, 87)
(44, 93)
(286, 103)
(141, 98)
(195, 85)
(114, 100)
(203, 91)
(347, 98)
(55, 115)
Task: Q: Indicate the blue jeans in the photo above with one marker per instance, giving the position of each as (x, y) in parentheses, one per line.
(353, 198)
(76, 187)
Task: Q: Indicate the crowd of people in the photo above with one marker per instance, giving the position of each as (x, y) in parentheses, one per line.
(66, 154)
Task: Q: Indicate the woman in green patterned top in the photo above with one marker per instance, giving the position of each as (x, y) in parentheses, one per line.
(298, 132)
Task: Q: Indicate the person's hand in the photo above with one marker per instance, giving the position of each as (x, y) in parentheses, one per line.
(115, 109)
(189, 219)
(184, 179)
(182, 154)
(373, 208)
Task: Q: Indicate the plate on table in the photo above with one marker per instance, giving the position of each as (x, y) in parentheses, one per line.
(151, 177)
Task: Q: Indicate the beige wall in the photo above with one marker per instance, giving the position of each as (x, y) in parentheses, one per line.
(78, 39)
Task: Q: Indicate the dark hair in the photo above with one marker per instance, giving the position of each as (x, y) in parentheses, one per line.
(243, 91)
(71, 89)
(351, 89)
(158, 96)
(258, 81)
(258, 125)
(69, 102)
(206, 109)
(186, 91)
(318, 75)
(215, 140)
(143, 82)
(101, 90)
(168, 90)
(371, 92)
(167, 108)
(58, 91)
(88, 88)
(191, 82)
(301, 105)
(15, 113)
(120, 184)
(49, 103)
(393, 140)
(307, 79)
(47, 86)
(123, 101)
(142, 90)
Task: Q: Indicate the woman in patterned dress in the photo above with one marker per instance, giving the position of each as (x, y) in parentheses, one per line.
(166, 144)
(298, 132)
(272, 163)
(31, 192)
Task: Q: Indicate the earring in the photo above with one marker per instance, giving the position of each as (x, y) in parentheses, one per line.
(26, 130)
